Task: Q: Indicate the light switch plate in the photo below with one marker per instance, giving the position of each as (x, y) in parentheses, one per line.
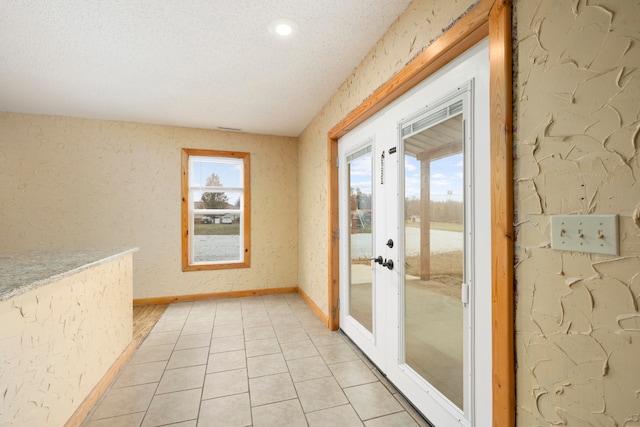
(596, 234)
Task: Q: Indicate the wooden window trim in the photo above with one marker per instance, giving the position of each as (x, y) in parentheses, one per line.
(492, 19)
(186, 153)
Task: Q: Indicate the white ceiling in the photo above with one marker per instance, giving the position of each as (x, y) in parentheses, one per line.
(195, 63)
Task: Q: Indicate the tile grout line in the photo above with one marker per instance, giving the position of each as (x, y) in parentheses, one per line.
(146, 412)
(272, 313)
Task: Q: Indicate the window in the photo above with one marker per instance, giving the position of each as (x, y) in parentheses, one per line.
(215, 210)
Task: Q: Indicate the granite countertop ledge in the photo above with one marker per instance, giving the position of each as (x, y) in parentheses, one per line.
(21, 272)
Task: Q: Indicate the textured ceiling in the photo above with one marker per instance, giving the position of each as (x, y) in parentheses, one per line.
(195, 63)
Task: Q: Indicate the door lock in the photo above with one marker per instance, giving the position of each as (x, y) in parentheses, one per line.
(390, 243)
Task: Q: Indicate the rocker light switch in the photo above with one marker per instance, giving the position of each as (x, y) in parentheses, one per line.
(596, 234)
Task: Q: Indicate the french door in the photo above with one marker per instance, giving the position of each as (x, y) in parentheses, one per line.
(414, 240)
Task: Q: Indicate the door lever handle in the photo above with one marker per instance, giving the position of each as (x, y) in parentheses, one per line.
(385, 263)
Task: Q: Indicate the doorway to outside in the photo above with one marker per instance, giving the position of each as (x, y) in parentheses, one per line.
(492, 19)
(414, 206)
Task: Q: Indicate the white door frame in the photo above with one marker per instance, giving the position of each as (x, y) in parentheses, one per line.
(488, 18)
(473, 65)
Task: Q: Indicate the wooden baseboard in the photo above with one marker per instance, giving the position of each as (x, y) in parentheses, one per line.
(236, 294)
(88, 403)
(198, 297)
(314, 307)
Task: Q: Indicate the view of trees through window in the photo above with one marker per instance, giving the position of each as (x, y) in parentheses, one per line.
(440, 210)
(360, 205)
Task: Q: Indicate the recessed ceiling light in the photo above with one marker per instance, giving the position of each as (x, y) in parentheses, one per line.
(282, 27)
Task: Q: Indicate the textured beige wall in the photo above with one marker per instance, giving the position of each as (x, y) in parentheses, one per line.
(72, 183)
(58, 341)
(577, 117)
(413, 31)
(577, 93)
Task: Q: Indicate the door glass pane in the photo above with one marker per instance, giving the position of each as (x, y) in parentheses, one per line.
(434, 256)
(361, 242)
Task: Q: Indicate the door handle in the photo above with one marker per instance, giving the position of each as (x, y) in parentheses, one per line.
(385, 263)
(378, 259)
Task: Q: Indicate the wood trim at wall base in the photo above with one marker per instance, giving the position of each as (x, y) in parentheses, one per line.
(314, 307)
(216, 295)
(89, 402)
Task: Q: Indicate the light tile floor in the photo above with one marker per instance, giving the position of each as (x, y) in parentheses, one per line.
(255, 361)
